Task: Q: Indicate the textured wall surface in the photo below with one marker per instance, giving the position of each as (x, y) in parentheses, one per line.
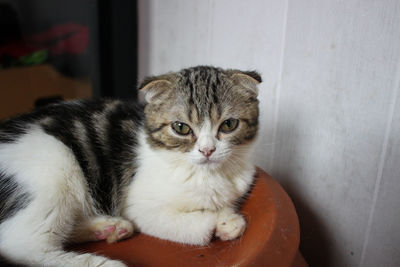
(330, 106)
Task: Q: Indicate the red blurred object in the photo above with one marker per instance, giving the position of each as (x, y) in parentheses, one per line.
(68, 38)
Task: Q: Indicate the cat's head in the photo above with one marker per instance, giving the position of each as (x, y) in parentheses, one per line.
(206, 114)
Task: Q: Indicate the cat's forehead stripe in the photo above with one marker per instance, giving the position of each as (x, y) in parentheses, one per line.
(202, 84)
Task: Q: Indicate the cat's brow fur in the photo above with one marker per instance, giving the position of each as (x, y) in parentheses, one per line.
(68, 165)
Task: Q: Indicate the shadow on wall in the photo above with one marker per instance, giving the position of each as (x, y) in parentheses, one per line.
(315, 241)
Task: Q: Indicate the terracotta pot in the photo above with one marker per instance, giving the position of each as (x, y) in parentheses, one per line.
(271, 238)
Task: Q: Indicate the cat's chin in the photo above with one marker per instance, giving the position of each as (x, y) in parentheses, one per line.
(208, 163)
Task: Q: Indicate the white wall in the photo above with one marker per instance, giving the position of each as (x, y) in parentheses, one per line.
(330, 107)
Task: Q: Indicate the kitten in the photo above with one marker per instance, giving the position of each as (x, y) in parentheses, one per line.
(99, 169)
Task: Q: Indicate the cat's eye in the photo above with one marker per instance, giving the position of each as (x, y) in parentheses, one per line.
(229, 125)
(181, 128)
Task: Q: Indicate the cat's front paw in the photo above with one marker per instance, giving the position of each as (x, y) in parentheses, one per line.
(230, 226)
(112, 229)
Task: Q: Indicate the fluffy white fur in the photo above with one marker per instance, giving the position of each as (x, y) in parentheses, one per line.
(175, 196)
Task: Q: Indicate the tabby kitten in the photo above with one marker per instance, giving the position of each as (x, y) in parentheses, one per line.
(98, 170)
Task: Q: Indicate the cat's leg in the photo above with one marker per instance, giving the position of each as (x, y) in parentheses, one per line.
(195, 228)
(111, 229)
(230, 224)
(58, 199)
(36, 234)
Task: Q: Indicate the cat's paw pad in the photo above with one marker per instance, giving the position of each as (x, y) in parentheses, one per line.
(112, 229)
(230, 227)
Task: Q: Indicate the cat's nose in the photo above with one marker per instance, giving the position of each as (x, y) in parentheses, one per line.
(207, 151)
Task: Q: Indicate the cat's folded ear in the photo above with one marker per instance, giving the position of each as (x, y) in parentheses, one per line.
(247, 79)
(154, 87)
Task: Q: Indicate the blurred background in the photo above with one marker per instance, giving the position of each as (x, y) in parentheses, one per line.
(54, 50)
(330, 102)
